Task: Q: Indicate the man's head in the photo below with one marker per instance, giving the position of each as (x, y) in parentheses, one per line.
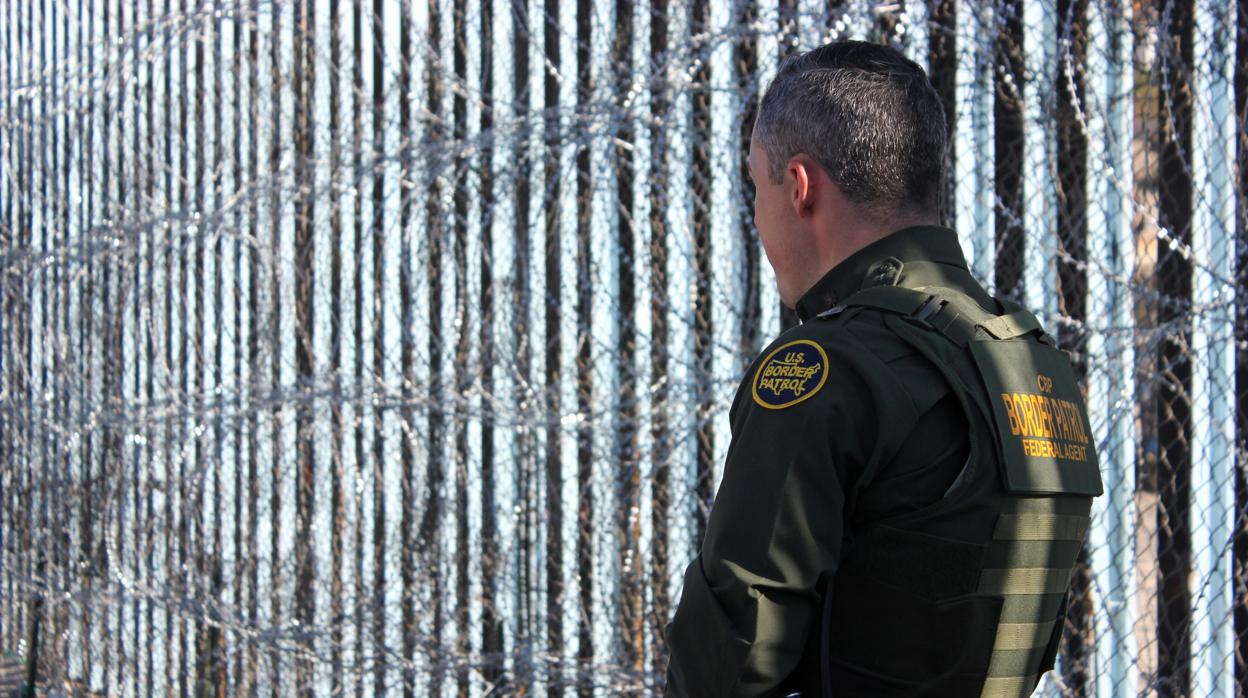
(848, 146)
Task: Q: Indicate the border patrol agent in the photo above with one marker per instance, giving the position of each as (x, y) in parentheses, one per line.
(911, 469)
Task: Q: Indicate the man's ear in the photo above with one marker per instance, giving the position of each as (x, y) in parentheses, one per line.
(800, 169)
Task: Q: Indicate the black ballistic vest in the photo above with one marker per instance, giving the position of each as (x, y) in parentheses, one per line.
(967, 596)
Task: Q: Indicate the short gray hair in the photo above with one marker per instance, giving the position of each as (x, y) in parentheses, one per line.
(868, 115)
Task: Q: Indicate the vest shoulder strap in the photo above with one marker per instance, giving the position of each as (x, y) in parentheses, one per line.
(948, 312)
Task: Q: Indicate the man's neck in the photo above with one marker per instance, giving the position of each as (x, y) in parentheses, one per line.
(847, 239)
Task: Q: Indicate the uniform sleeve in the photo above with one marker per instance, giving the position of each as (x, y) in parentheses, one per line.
(772, 544)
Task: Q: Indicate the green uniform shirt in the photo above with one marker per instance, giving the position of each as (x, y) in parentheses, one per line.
(834, 425)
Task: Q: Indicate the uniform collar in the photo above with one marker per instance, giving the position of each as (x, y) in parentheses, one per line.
(871, 265)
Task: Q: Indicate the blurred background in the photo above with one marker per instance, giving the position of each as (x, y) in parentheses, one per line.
(357, 348)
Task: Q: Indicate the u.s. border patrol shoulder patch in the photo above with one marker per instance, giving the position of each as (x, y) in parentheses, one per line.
(791, 373)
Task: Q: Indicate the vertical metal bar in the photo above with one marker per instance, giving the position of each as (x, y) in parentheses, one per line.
(973, 158)
(339, 599)
(1021, 145)
(321, 68)
(568, 420)
(506, 454)
(943, 71)
(223, 430)
(61, 462)
(1174, 282)
(276, 478)
(6, 241)
(174, 314)
(214, 340)
(189, 444)
(87, 335)
(254, 335)
(45, 210)
(407, 560)
(1111, 392)
(767, 60)
(303, 61)
(160, 371)
(52, 368)
(58, 460)
(77, 637)
(914, 27)
(1029, 222)
(8, 522)
(812, 22)
(127, 542)
(297, 458)
(1240, 545)
(703, 326)
(745, 66)
(72, 188)
(135, 365)
(661, 576)
(234, 560)
(526, 479)
(463, 341)
(66, 169)
(1213, 296)
(203, 637)
(435, 478)
(789, 44)
(1036, 254)
(628, 562)
(554, 345)
(680, 292)
(145, 329)
(110, 637)
(390, 23)
(226, 306)
(492, 627)
(18, 309)
(36, 299)
(361, 570)
(344, 266)
(586, 506)
(473, 148)
(727, 256)
(1063, 283)
(382, 514)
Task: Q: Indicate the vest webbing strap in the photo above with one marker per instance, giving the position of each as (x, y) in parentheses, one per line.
(1026, 609)
(1016, 324)
(1040, 527)
(1015, 662)
(1008, 687)
(1023, 636)
(1031, 553)
(1024, 581)
(935, 306)
(900, 300)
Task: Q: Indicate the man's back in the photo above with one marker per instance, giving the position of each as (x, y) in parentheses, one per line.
(867, 528)
(910, 475)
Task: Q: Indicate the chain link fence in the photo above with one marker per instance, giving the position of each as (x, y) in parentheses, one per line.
(356, 348)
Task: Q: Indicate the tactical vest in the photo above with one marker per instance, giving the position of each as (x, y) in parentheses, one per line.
(966, 596)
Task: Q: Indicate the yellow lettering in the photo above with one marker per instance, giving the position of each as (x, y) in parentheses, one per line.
(1020, 406)
(1042, 448)
(1059, 421)
(1033, 414)
(1047, 426)
(1080, 435)
(1016, 427)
